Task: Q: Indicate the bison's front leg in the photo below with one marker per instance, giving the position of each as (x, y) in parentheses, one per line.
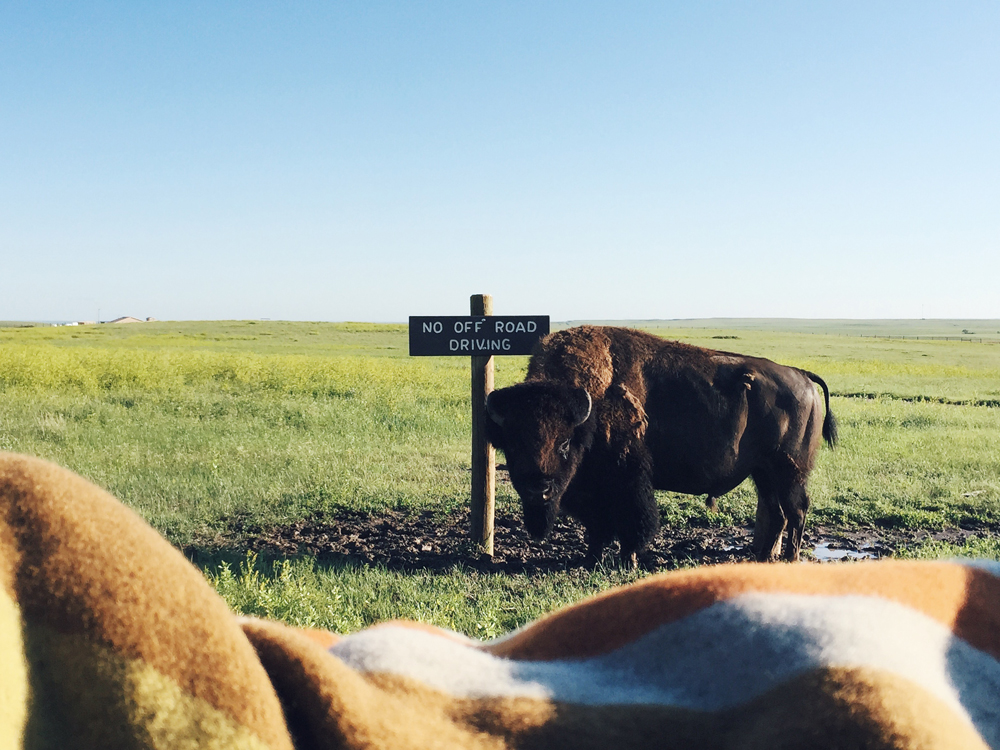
(638, 518)
(629, 494)
(596, 544)
(610, 502)
(583, 501)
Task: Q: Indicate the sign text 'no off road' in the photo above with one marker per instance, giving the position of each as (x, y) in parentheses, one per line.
(475, 335)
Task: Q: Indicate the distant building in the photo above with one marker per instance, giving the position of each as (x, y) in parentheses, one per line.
(126, 319)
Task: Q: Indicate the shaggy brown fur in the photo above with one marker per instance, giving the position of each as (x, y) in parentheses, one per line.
(663, 415)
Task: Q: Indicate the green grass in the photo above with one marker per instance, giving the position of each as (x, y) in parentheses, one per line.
(346, 598)
(981, 548)
(911, 465)
(258, 337)
(193, 424)
(189, 450)
(191, 436)
(948, 371)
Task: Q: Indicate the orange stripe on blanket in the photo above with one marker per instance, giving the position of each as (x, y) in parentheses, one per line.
(323, 638)
(965, 599)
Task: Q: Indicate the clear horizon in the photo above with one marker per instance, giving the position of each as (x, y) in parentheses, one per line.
(374, 161)
(577, 321)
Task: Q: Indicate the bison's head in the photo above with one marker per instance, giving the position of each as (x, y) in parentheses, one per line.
(544, 429)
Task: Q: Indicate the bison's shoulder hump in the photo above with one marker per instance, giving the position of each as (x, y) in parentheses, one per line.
(579, 356)
(595, 357)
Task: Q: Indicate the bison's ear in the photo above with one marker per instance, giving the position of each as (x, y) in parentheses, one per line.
(494, 419)
(494, 408)
(581, 405)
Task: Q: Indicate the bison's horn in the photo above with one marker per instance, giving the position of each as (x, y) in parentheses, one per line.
(586, 414)
(494, 415)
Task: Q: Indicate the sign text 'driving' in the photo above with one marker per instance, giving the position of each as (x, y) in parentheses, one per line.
(475, 335)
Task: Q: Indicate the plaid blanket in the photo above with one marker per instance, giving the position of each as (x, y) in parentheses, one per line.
(109, 638)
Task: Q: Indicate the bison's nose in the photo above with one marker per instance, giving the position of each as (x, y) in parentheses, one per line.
(541, 487)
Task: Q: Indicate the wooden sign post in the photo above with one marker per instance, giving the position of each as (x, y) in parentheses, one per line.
(479, 336)
(483, 453)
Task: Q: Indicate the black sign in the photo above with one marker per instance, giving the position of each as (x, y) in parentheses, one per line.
(475, 335)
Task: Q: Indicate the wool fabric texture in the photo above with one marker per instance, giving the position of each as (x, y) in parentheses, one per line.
(109, 638)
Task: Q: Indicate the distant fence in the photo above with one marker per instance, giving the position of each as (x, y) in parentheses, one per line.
(895, 336)
(966, 336)
(917, 337)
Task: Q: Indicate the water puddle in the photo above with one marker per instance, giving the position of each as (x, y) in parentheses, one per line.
(825, 553)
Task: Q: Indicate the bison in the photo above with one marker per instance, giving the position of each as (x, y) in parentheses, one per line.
(606, 415)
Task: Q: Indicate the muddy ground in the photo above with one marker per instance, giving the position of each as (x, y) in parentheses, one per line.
(430, 541)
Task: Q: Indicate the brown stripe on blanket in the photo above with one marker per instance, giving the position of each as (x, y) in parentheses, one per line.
(82, 563)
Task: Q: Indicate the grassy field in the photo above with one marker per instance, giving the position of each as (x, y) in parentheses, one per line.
(971, 329)
(193, 424)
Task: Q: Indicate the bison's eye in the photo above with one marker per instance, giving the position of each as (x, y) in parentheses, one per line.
(564, 449)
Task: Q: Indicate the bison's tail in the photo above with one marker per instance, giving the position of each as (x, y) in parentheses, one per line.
(829, 423)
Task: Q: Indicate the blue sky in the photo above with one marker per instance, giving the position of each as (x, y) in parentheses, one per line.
(370, 161)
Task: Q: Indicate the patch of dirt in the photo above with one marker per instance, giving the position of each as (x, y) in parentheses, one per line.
(426, 540)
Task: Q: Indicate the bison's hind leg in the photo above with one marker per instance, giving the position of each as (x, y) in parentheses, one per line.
(796, 504)
(770, 523)
(781, 502)
(768, 528)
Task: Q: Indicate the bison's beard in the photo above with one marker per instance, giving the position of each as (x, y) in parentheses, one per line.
(539, 517)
